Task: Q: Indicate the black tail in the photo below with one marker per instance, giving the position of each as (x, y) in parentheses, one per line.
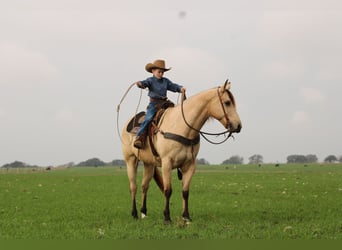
(179, 174)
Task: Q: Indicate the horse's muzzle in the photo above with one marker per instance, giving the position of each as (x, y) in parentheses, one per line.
(236, 129)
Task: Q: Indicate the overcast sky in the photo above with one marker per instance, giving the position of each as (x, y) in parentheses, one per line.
(64, 65)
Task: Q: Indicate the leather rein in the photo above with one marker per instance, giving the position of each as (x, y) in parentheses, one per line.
(203, 133)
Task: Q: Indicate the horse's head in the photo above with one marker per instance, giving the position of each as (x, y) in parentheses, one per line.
(224, 109)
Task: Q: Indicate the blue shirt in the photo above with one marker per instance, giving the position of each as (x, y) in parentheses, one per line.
(158, 87)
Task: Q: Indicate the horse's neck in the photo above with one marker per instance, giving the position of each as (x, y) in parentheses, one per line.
(195, 110)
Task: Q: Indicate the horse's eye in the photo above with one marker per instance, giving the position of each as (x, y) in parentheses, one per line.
(227, 103)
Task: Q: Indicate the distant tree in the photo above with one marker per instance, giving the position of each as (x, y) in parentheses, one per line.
(330, 158)
(311, 159)
(340, 159)
(255, 159)
(202, 161)
(70, 164)
(67, 165)
(296, 159)
(93, 162)
(235, 159)
(16, 164)
(118, 163)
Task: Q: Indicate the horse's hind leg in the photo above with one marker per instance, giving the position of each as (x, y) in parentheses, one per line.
(147, 176)
(132, 166)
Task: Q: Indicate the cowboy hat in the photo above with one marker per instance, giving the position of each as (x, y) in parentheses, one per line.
(157, 64)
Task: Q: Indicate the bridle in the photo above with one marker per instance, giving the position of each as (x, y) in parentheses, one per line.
(224, 111)
(204, 134)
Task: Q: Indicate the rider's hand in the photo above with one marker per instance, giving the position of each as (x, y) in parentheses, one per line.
(139, 84)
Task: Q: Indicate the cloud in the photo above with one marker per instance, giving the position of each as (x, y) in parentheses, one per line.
(301, 43)
(64, 116)
(22, 65)
(2, 112)
(312, 95)
(281, 69)
(300, 118)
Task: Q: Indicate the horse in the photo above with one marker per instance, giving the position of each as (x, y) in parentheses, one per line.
(176, 142)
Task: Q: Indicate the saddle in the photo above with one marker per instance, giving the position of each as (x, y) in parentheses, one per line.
(135, 122)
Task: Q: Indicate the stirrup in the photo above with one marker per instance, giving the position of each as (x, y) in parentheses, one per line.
(138, 143)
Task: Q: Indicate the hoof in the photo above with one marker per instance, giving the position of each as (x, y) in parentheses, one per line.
(143, 216)
(167, 222)
(187, 220)
(134, 214)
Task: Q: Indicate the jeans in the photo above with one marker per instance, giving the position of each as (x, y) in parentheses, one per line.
(151, 111)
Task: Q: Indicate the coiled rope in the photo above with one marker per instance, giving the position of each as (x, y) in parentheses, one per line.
(118, 108)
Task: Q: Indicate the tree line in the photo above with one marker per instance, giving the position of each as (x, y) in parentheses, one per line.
(93, 162)
(235, 159)
(296, 158)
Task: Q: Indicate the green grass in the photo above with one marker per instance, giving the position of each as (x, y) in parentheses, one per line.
(226, 202)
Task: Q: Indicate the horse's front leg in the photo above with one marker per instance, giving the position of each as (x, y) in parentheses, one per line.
(147, 176)
(187, 176)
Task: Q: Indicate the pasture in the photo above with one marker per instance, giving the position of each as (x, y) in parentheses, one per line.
(226, 202)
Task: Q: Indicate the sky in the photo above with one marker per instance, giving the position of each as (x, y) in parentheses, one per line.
(64, 66)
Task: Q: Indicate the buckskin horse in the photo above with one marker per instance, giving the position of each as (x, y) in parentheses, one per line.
(176, 143)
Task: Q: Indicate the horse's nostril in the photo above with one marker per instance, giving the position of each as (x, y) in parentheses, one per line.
(239, 128)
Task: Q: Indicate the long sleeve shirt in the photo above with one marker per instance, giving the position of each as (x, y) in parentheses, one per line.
(158, 87)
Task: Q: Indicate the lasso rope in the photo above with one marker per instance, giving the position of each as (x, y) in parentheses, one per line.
(118, 109)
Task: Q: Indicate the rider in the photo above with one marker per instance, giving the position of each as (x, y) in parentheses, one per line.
(157, 86)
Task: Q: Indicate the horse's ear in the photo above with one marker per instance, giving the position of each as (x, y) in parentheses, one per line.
(225, 86)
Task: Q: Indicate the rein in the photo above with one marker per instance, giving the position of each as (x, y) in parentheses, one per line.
(203, 133)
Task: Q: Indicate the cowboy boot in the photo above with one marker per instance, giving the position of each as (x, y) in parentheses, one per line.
(140, 141)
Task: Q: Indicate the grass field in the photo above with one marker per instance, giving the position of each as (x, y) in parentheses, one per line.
(226, 202)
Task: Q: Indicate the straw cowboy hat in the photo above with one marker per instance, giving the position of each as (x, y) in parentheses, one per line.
(157, 64)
